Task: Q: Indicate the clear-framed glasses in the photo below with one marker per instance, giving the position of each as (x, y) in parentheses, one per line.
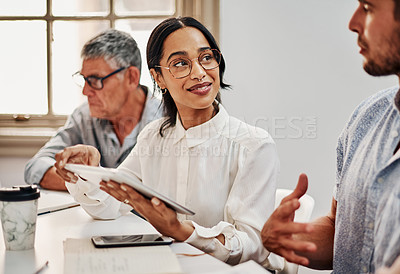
(93, 81)
(182, 66)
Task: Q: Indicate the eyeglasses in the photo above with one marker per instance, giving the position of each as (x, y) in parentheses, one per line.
(182, 67)
(93, 81)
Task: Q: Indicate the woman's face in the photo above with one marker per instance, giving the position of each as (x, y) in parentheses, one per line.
(195, 93)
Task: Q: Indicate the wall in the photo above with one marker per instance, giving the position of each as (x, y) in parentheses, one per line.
(296, 71)
(12, 171)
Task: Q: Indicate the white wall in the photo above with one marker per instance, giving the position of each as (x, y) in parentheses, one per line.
(12, 171)
(289, 62)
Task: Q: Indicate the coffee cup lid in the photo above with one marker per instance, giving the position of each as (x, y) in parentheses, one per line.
(19, 193)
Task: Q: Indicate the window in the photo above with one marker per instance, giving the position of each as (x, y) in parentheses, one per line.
(43, 51)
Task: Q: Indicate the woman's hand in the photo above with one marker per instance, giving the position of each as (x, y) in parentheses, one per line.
(79, 154)
(155, 211)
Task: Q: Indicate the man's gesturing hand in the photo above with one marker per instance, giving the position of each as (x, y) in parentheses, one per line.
(279, 234)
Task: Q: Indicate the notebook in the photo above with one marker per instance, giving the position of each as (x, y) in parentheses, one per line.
(51, 200)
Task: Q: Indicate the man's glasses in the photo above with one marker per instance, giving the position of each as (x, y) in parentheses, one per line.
(93, 81)
(182, 67)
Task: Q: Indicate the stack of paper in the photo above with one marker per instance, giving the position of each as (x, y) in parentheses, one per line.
(81, 257)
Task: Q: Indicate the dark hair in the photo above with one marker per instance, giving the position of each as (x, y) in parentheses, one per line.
(397, 10)
(155, 47)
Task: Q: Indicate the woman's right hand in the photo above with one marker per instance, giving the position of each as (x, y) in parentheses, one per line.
(79, 154)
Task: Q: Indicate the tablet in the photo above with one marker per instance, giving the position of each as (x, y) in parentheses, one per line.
(94, 175)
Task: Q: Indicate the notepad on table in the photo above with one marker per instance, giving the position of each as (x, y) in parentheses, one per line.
(50, 201)
(81, 257)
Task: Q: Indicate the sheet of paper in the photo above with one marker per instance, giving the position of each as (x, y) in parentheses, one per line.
(81, 257)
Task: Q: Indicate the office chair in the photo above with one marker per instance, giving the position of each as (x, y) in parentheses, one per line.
(303, 214)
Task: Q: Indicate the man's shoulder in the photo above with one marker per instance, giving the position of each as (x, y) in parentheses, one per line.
(82, 110)
(370, 112)
(81, 117)
(379, 100)
(153, 108)
(152, 128)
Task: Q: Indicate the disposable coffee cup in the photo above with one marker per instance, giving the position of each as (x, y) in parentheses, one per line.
(18, 213)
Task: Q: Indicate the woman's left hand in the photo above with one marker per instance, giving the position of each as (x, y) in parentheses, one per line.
(155, 211)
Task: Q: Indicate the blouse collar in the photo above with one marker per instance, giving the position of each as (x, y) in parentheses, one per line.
(199, 134)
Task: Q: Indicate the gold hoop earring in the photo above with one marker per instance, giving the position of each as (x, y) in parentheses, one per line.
(163, 91)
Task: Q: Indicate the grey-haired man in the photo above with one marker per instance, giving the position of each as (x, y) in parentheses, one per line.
(117, 108)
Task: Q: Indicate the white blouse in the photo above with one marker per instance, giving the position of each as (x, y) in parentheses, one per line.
(224, 170)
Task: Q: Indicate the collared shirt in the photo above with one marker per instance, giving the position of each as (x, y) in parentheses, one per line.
(367, 230)
(81, 128)
(224, 170)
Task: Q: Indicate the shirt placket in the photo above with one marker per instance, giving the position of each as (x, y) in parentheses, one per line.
(368, 242)
(182, 176)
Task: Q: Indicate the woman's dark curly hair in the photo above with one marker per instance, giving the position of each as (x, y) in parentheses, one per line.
(154, 54)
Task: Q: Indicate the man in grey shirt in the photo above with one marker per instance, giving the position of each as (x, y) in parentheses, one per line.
(117, 108)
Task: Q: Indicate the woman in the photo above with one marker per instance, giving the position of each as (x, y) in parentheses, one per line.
(199, 156)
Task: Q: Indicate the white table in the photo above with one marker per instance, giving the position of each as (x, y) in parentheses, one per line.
(53, 228)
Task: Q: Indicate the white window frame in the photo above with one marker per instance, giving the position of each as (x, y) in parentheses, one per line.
(22, 135)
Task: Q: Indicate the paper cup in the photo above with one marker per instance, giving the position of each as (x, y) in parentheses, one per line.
(18, 213)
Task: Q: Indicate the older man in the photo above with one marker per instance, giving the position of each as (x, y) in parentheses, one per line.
(362, 231)
(117, 108)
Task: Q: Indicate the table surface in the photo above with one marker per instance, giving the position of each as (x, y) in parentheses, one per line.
(53, 228)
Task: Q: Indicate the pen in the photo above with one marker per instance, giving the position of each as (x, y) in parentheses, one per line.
(42, 268)
(55, 210)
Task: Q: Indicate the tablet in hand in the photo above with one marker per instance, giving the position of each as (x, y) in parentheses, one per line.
(95, 174)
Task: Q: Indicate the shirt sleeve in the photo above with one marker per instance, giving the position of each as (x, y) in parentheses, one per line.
(96, 202)
(67, 135)
(249, 205)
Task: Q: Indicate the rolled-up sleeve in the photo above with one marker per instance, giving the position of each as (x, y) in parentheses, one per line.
(68, 135)
(249, 205)
(97, 203)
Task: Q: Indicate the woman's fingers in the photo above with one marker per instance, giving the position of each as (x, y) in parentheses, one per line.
(113, 189)
(153, 210)
(123, 191)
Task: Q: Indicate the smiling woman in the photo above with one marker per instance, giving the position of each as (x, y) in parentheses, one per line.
(198, 155)
(197, 86)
